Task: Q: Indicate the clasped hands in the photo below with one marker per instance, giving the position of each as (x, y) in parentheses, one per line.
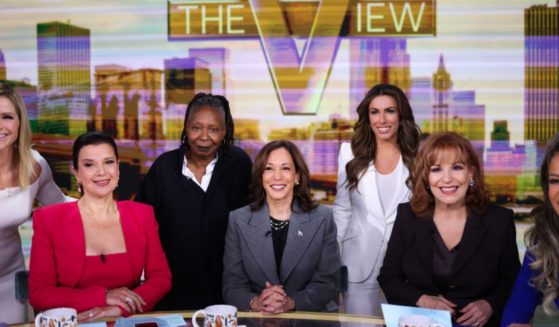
(476, 313)
(119, 301)
(272, 300)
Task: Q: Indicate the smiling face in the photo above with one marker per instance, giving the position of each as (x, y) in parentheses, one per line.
(279, 176)
(384, 118)
(553, 183)
(9, 124)
(98, 170)
(449, 180)
(205, 130)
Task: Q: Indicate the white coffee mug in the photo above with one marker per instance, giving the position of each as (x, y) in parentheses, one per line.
(59, 317)
(417, 321)
(220, 315)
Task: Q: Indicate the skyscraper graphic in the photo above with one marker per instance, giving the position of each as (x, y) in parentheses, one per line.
(2, 66)
(442, 87)
(217, 58)
(541, 75)
(420, 97)
(373, 61)
(184, 77)
(63, 58)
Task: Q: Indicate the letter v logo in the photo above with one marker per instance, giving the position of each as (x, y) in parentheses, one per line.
(299, 80)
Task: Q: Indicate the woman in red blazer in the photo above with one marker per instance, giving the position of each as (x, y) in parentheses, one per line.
(90, 254)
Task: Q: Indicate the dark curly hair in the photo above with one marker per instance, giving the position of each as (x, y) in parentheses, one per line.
(436, 147)
(363, 142)
(542, 238)
(301, 192)
(218, 102)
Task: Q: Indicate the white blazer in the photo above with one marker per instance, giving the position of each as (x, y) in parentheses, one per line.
(363, 228)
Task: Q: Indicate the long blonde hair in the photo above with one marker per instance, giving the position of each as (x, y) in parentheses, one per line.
(22, 159)
(542, 239)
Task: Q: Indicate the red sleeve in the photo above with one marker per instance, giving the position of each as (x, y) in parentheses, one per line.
(44, 289)
(157, 274)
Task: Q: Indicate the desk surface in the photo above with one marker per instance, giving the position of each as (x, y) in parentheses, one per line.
(285, 319)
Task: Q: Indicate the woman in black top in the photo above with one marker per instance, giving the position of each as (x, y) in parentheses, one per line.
(281, 252)
(192, 190)
(450, 249)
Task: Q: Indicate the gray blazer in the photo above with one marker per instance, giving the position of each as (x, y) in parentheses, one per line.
(309, 266)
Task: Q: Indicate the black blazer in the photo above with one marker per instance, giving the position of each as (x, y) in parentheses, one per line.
(192, 223)
(485, 266)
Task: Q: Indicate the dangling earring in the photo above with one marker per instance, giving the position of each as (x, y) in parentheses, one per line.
(472, 183)
(79, 187)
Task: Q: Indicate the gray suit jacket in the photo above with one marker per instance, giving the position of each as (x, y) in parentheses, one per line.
(309, 266)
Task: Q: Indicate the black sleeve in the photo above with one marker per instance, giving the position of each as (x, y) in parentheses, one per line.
(391, 278)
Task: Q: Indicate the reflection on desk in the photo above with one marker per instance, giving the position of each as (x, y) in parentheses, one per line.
(253, 319)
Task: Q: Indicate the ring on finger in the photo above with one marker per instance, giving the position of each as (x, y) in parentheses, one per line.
(90, 314)
(128, 300)
(476, 323)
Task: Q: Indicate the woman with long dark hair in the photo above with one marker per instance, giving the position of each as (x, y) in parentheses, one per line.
(192, 190)
(538, 280)
(379, 158)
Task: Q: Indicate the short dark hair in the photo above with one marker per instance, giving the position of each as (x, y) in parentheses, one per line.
(214, 101)
(91, 138)
(301, 192)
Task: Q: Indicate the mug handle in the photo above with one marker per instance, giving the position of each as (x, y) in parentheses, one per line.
(38, 319)
(195, 324)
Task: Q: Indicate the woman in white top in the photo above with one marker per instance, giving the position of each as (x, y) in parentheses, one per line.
(24, 177)
(372, 175)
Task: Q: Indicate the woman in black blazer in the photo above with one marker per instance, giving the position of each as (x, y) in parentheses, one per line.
(450, 249)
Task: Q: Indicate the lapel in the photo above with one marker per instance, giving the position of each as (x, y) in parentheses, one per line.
(299, 236)
(474, 232)
(130, 233)
(402, 193)
(369, 193)
(72, 257)
(256, 233)
(423, 229)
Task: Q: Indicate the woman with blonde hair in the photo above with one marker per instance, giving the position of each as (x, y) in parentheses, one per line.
(538, 280)
(24, 177)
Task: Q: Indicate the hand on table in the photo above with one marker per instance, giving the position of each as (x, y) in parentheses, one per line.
(90, 315)
(476, 313)
(272, 300)
(435, 302)
(126, 299)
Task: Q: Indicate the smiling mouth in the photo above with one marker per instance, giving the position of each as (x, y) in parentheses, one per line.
(277, 187)
(383, 130)
(448, 190)
(104, 182)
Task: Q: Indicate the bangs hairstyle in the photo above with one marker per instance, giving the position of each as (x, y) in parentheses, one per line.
(218, 102)
(22, 159)
(542, 238)
(301, 192)
(450, 148)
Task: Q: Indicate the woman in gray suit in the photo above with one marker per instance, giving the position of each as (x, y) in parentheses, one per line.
(281, 252)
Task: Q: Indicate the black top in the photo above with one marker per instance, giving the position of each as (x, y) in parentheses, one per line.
(192, 223)
(443, 260)
(485, 266)
(279, 237)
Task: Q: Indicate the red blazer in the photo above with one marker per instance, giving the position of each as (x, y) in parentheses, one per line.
(58, 257)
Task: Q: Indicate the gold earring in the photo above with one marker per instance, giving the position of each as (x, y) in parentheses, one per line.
(79, 187)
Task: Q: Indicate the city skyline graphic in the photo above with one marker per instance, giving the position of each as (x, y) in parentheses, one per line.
(102, 66)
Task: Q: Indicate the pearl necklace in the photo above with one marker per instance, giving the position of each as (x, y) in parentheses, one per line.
(277, 225)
